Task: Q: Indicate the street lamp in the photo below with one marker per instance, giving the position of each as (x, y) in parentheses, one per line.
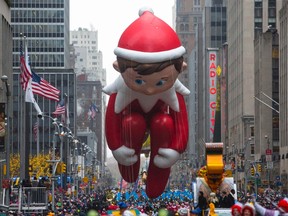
(4, 79)
(269, 161)
(57, 132)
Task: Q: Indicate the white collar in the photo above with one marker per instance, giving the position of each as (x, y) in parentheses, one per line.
(125, 96)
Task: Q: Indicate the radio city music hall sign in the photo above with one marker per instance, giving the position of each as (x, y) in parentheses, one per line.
(213, 72)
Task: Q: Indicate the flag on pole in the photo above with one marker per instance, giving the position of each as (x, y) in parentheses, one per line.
(39, 86)
(29, 97)
(35, 131)
(25, 78)
(66, 117)
(91, 114)
(26, 74)
(43, 88)
(60, 108)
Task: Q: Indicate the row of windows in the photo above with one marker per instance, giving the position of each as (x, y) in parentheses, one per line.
(39, 49)
(219, 42)
(42, 35)
(44, 30)
(218, 9)
(37, 20)
(42, 58)
(218, 16)
(223, 23)
(42, 64)
(40, 1)
(51, 14)
(39, 5)
(271, 12)
(38, 45)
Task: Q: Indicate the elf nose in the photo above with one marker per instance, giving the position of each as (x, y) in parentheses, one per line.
(149, 91)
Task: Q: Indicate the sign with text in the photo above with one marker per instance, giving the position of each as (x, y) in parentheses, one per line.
(268, 155)
(212, 88)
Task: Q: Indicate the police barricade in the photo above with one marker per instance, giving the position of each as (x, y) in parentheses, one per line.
(29, 199)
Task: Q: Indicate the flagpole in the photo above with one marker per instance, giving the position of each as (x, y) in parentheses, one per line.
(38, 145)
(24, 151)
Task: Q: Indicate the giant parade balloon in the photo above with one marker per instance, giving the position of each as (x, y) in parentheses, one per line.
(147, 99)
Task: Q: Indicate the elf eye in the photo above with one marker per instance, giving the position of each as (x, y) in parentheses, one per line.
(139, 82)
(161, 82)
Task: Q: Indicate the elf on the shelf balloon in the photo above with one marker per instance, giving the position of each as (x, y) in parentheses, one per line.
(147, 98)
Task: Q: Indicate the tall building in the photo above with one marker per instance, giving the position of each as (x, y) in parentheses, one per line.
(214, 36)
(246, 19)
(5, 69)
(283, 92)
(266, 121)
(89, 60)
(200, 25)
(91, 77)
(46, 27)
(188, 15)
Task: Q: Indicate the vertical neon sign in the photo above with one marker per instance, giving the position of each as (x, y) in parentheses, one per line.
(212, 90)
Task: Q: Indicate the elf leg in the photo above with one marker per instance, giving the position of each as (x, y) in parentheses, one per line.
(161, 132)
(133, 132)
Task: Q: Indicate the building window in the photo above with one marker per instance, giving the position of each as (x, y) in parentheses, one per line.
(252, 149)
(272, 12)
(196, 2)
(258, 12)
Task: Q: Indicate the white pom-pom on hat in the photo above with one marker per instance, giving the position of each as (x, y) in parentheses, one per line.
(144, 9)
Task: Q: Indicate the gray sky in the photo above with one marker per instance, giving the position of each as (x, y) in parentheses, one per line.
(111, 18)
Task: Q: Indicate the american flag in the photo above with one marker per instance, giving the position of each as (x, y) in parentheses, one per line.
(92, 111)
(26, 74)
(60, 108)
(35, 130)
(43, 88)
(39, 86)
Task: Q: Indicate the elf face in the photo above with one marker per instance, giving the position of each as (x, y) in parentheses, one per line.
(153, 83)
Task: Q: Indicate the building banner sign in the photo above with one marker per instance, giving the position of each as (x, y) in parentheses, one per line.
(212, 85)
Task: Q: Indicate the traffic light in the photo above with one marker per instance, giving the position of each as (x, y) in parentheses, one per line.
(59, 168)
(63, 168)
(78, 168)
(259, 168)
(252, 171)
(30, 170)
(4, 169)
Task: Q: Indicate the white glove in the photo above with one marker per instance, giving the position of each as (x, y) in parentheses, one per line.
(125, 156)
(166, 157)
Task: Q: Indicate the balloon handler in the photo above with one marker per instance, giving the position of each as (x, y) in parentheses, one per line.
(147, 98)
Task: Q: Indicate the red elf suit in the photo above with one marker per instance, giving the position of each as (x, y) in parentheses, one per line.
(131, 115)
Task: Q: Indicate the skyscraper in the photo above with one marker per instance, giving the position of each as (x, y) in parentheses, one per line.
(45, 27)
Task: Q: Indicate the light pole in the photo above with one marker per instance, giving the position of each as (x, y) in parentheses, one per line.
(57, 132)
(4, 79)
(268, 159)
(245, 164)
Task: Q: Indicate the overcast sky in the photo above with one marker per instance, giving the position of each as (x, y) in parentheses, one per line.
(110, 18)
